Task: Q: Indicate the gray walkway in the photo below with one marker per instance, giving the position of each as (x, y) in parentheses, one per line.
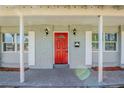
(60, 78)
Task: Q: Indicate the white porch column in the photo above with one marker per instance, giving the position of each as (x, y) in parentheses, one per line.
(100, 52)
(21, 49)
(122, 46)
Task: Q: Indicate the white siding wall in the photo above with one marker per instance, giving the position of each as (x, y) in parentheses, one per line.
(44, 47)
(88, 48)
(31, 48)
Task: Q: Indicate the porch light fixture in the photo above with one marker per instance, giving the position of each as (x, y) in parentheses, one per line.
(74, 31)
(46, 31)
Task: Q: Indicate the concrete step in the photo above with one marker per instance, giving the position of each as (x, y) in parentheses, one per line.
(61, 65)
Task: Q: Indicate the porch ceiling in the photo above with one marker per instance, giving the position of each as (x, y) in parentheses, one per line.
(61, 20)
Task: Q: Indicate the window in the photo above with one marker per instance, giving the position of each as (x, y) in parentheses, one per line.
(94, 41)
(11, 42)
(110, 41)
(8, 42)
(25, 42)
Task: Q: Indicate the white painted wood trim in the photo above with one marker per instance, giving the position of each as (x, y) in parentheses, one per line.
(122, 47)
(88, 46)
(116, 43)
(100, 49)
(22, 74)
(31, 47)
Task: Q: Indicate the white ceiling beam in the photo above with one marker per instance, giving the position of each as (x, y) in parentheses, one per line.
(62, 10)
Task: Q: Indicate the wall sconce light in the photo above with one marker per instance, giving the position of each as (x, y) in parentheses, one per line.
(46, 31)
(74, 31)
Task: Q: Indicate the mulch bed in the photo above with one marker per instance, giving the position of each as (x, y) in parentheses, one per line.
(11, 69)
(108, 68)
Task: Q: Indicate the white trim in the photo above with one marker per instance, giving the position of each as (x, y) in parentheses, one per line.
(100, 49)
(122, 47)
(106, 51)
(15, 37)
(104, 43)
(15, 42)
(2, 43)
(95, 51)
(116, 43)
(7, 51)
(54, 46)
(22, 73)
(95, 41)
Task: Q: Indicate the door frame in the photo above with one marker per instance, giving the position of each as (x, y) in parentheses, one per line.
(54, 45)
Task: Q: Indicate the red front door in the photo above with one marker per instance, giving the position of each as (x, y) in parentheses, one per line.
(61, 48)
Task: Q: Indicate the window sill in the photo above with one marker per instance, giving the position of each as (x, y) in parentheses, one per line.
(106, 51)
(13, 52)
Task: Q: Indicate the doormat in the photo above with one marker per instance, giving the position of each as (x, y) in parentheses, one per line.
(83, 73)
(108, 68)
(11, 69)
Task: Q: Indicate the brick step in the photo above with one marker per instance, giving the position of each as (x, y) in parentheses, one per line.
(108, 68)
(11, 69)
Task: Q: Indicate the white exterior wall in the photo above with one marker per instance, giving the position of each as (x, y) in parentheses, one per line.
(44, 47)
(77, 55)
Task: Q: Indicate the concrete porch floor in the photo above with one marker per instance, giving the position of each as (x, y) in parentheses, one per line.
(60, 78)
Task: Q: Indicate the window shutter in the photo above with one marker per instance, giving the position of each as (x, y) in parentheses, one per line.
(122, 47)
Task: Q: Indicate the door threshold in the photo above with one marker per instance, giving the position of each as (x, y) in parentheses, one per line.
(61, 66)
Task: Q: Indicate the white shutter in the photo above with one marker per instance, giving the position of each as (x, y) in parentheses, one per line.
(31, 52)
(122, 47)
(88, 48)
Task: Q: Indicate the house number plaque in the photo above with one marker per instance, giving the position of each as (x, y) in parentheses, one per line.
(77, 44)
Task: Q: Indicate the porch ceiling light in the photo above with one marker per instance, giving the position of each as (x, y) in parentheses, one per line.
(74, 31)
(46, 31)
